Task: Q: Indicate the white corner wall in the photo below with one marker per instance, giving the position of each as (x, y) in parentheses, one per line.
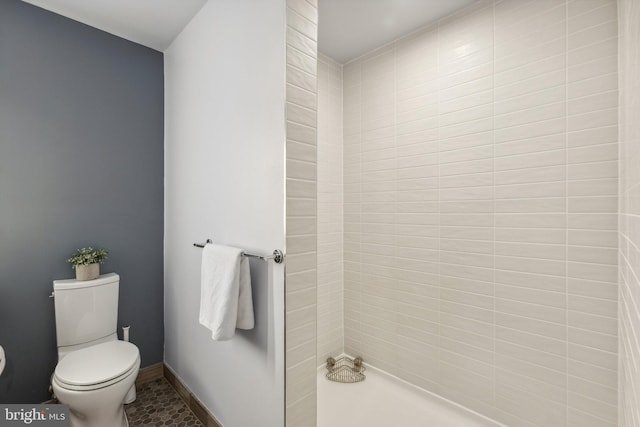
(224, 180)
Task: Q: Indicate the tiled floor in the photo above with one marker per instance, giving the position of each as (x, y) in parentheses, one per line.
(158, 404)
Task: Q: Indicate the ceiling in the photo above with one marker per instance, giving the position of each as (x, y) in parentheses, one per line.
(152, 23)
(347, 28)
(350, 28)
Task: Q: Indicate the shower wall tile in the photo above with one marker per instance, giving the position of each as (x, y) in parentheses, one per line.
(480, 199)
(466, 161)
(591, 36)
(302, 202)
(531, 275)
(629, 227)
(330, 208)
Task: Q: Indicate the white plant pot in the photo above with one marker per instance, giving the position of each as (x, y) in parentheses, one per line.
(87, 272)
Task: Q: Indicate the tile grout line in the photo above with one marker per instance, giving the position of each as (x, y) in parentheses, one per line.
(439, 174)
(493, 180)
(566, 189)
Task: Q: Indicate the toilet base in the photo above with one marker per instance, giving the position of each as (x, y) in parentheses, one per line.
(77, 420)
(97, 408)
(131, 396)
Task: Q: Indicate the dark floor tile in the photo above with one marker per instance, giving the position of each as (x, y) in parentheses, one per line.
(158, 404)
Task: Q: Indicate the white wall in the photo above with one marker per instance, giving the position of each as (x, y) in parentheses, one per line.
(224, 169)
(629, 302)
(480, 203)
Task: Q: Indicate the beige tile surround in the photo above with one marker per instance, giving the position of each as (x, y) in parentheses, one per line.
(480, 199)
(629, 231)
(301, 216)
(330, 211)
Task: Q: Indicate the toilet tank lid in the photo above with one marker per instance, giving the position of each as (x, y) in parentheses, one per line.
(66, 284)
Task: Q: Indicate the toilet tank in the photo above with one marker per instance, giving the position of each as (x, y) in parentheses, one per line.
(86, 310)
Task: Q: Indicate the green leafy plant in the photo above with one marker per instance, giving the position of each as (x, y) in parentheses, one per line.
(86, 256)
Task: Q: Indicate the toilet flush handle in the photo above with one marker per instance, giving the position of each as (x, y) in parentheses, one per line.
(53, 294)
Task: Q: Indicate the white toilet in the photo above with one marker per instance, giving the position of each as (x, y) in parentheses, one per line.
(96, 373)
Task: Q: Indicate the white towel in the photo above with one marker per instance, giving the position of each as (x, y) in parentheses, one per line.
(225, 292)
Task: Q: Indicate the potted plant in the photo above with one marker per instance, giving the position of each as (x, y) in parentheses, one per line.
(86, 262)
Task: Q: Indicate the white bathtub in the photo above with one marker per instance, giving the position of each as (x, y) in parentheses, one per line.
(383, 400)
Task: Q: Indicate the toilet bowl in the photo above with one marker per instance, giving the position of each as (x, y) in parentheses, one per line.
(94, 382)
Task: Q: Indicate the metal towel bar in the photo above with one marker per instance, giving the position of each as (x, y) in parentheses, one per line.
(277, 256)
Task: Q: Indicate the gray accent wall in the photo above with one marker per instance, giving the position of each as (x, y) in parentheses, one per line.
(81, 163)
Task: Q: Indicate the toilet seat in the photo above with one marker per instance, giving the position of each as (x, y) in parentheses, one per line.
(97, 366)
